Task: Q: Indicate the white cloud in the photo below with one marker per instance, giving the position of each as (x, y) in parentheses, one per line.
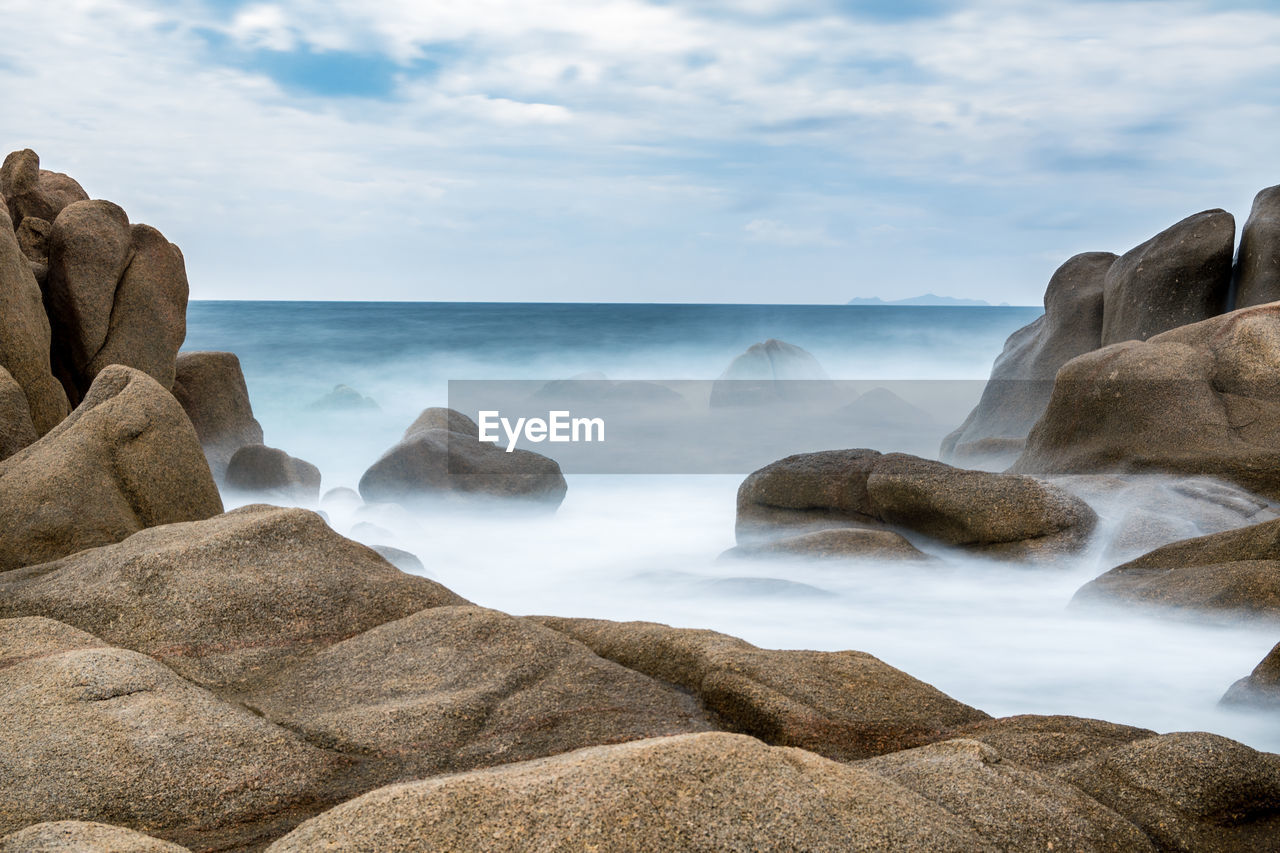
(780, 234)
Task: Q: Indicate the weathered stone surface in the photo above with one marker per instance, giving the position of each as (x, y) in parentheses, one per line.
(105, 734)
(267, 470)
(1201, 399)
(1235, 573)
(836, 544)
(34, 192)
(770, 372)
(76, 836)
(1261, 688)
(844, 705)
(1190, 791)
(1042, 742)
(124, 460)
(33, 239)
(1022, 378)
(441, 456)
(211, 388)
(1258, 261)
(224, 600)
(698, 793)
(1000, 515)
(456, 688)
(1180, 276)
(24, 334)
(16, 428)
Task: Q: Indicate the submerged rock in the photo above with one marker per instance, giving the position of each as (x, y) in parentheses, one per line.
(259, 469)
(344, 398)
(211, 388)
(771, 372)
(844, 543)
(1261, 688)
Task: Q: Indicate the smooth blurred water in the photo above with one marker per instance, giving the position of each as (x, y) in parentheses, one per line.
(999, 637)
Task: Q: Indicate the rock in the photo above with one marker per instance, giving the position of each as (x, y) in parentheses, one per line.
(16, 429)
(770, 372)
(456, 688)
(1010, 807)
(211, 388)
(880, 407)
(25, 335)
(1233, 573)
(1258, 264)
(441, 456)
(34, 192)
(341, 499)
(344, 398)
(835, 544)
(89, 248)
(260, 469)
(1021, 380)
(1202, 399)
(1261, 688)
(33, 239)
(227, 599)
(999, 515)
(31, 637)
(1188, 790)
(1044, 742)
(110, 735)
(1180, 276)
(844, 705)
(765, 588)
(402, 560)
(75, 836)
(149, 314)
(124, 460)
(698, 793)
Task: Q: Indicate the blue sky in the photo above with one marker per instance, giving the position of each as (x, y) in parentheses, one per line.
(625, 150)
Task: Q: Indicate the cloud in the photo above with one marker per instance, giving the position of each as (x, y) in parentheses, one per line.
(779, 234)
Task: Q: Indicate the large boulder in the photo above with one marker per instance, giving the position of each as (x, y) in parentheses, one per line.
(25, 334)
(124, 460)
(1180, 276)
(1200, 399)
(1232, 573)
(77, 836)
(104, 734)
(456, 688)
(16, 427)
(34, 192)
(770, 372)
(442, 456)
(1260, 688)
(224, 600)
(1021, 380)
(844, 705)
(1258, 261)
(258, 469)
(211, 388)
(1000, 515)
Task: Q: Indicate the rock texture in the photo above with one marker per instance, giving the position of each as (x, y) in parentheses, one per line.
(1180, 276)
(224, 600)
(211, 388)
(125, 460)
(844, 705)
(1022, 378)
(1001, 515)
(75, 836)
(34, 192)
(1261, 688)
(441, 456)
(841, 544)
(770, 372)
(1258, 262)
(259, 469)
(16, 427)
(1201, 399)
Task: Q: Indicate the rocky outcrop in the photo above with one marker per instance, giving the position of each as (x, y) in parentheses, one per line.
(75, 836)
(441, 456)
(845, 543)
(34, 192)
(770, 372)
(1021, 380)
(125, 460)
(1201, 399)
(225, 599)
(1180, 276)
(16, 428)
(1258, 261)
(211, 388)
(1000, 515)
(1232, 573)
(1260, 688)
(844, 705)
(258, 469)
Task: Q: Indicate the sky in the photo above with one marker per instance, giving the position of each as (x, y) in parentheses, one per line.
(646, 151)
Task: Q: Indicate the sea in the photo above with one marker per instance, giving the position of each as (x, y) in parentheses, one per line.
(648, 546)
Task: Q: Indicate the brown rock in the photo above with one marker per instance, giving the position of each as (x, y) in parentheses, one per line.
(224, 600)
(1258, 264)
(16, 429)
(1180, 276)
(125, 460)
(266, 470)
(844, 705)
(35, 192)
(837, 544)
(1261, 688)
(33, 239)
(211, 388)
(1041, 742)
(76, 836)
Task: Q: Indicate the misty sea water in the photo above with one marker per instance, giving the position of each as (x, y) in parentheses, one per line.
(996, 636)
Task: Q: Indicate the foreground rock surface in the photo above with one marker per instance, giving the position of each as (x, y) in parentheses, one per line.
(125, 460)
(75, 836)
(211, 388)
(16, 428)
(441, 456)
(999, 515)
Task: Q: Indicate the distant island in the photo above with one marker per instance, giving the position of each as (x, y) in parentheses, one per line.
(926, 299)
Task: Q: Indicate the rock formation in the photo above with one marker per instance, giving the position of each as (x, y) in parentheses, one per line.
(258, 469)
(211, 388)
(1258, 263)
